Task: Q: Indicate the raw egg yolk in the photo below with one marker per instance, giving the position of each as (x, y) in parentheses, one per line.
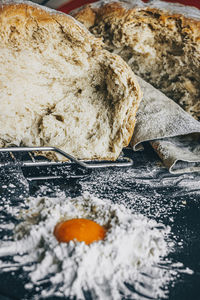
(81, 230)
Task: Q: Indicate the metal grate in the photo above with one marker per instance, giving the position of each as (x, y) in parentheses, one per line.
(41, 168)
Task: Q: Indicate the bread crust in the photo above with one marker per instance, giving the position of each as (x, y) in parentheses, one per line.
(122, 13)
(17, 14)
(89, 13)
(20, 15)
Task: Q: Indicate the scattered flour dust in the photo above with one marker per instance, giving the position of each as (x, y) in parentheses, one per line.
(127, 257)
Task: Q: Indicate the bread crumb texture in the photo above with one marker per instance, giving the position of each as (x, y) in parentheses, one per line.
(161, 46)
(59, 87)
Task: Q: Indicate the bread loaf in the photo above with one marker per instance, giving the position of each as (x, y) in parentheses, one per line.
(59, 87)
(159, 40)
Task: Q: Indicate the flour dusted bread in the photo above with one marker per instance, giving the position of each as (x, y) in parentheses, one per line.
(159, 40)
(59, 87)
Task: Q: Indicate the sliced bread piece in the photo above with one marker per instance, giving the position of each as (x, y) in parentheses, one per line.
(159, 40)
(59, 87)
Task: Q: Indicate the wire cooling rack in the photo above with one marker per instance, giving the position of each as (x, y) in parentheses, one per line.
(44, 168)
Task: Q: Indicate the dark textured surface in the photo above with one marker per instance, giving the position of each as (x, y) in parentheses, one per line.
(147, 187)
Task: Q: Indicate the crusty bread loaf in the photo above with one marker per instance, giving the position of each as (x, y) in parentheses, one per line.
(160, 41)
(59, 87)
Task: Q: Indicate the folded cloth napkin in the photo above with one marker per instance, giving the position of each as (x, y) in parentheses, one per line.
(173, 133)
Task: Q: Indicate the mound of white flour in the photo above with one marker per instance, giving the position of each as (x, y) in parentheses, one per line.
(124, 263)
